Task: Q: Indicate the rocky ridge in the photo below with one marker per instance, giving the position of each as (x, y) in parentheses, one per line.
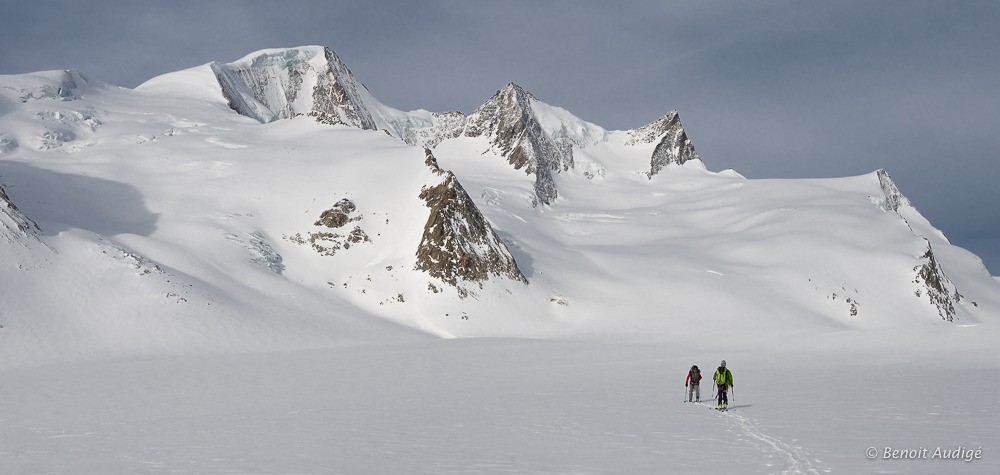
(459, 245)
(936, 286)
(21, 243)
(531, 135)
(929, 276)
(894, 199)
(515, 133)
(14, 225)
(674, 147)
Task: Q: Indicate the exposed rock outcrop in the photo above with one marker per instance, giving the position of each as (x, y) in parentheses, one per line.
(458, 245)
(893, 198)
(338, 215)
(508, 121)
(327, 243)
(14, 225)
(932, 282)
(936, 286)
(674, 148)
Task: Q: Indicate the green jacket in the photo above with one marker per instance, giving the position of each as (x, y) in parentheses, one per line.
(723, 377)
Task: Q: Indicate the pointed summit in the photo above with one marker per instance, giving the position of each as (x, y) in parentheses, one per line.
(512, 126)
(674, 147)
(893, 197)
(459, 245)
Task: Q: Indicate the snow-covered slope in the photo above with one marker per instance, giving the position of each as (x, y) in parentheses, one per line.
(540, 138)
(274, 84)
(259, 204)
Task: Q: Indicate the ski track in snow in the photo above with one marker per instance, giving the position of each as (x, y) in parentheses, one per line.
(794, 458)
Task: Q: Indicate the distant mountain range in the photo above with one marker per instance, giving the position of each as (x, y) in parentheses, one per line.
(275, 202)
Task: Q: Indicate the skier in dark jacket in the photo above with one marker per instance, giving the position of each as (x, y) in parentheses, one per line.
(693, 383)
(723, 380)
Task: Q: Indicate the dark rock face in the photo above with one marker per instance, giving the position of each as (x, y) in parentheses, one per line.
(328, 243)
(338, 215)
(675, 148)
(938, 288)
(458, 244)
(14, 225)
(507, 119)
(337, 96)
(651, 132)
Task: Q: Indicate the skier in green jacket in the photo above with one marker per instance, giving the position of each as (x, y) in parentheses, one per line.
(723, 380)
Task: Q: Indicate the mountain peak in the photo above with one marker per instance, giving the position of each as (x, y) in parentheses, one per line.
(459, 244)
(514, 88)
(651, 132)
(674, 147)
(512, 122)
(893, 197)
(274, 84)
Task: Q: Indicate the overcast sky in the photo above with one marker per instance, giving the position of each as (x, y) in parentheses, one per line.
(774, 89)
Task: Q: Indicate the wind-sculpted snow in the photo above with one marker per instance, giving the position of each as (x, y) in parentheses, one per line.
(66, 85)
(560, 124)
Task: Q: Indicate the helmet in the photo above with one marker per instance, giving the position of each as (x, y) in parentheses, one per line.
(723, 362)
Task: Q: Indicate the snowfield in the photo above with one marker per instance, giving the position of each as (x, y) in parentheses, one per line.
(184, 289)
(507, 405)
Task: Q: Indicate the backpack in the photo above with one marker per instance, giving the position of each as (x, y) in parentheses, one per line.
(720, 377)
(695, 376)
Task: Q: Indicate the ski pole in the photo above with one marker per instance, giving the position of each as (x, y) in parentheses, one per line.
(734, 394)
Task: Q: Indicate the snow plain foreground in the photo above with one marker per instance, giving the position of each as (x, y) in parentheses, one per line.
(512, 405)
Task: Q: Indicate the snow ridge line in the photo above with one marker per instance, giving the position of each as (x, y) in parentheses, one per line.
(798, 463)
